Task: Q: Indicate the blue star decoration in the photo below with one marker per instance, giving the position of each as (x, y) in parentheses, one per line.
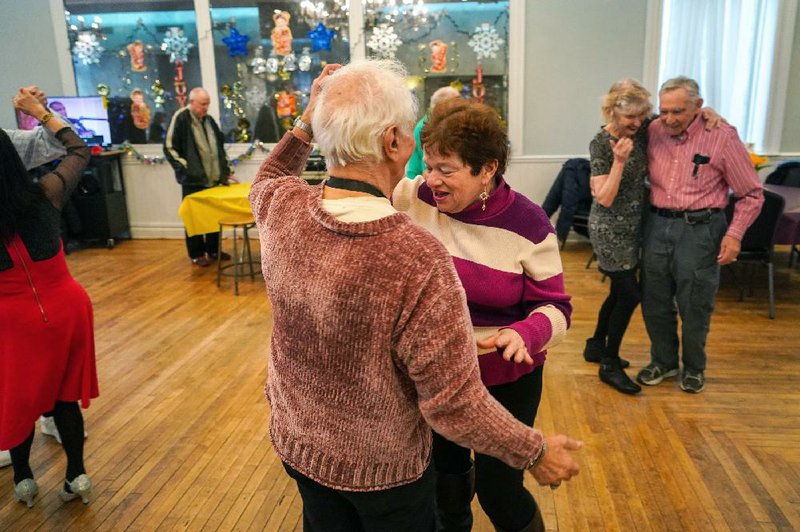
(321, 38)
(236, 43)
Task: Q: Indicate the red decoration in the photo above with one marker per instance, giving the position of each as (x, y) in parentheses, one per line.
(478, 90)
(180, 84)
(438, 55)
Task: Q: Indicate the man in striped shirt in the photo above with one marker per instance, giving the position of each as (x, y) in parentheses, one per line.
(687, 238)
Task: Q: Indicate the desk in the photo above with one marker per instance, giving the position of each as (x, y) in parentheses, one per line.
(787, 231)
(202, 211)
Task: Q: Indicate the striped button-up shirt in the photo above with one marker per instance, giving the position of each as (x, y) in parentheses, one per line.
(676, 185)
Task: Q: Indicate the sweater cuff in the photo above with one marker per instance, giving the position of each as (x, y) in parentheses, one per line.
(544, 328)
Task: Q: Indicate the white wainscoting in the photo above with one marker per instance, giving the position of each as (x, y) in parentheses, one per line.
(153, 196)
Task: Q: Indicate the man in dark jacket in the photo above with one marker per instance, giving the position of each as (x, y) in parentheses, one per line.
(194, 146)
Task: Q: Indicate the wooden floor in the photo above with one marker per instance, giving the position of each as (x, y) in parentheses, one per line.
(177, 439)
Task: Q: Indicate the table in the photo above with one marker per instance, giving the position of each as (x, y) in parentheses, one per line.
(787, 231)
(202, 211)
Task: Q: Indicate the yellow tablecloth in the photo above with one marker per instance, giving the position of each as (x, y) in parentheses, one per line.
(202, 211)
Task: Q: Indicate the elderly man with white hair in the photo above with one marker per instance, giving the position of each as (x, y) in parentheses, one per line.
(372, 343)
(415, 164)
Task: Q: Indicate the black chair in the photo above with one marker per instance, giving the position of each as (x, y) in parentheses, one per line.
(758, 245)
(786, 174)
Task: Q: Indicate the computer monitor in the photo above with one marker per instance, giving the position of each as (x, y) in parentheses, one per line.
(87, 115)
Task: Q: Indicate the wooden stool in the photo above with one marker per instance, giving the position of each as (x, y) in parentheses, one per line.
(238, 260)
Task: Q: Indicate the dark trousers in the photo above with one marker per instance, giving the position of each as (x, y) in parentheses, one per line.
(680, 268)
(499, 487)
(616, 311)
(404, 508)
(199, 245)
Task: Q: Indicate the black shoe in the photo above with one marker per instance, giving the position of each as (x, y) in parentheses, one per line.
(223, 256)
(595, 351)
(611, 373)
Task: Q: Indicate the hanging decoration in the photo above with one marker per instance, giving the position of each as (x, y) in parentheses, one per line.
(248, 153)
(281, 35)
(255, 94)
(158, 94)
(179, 84)
(384, 42)
(241, 133)
(286, 104)
(144, 159)
(136, 51)
(304, 62)
(410, 19)
(438, 55)
(140, 111)
(335, 13)
(236, 43)
(290, 62)
(273, 63)
(87, 48)
(485, 42)
(478, 89)
(258, 62)
(321, 38)
(86, 39)
(232, 98)
(176, 45)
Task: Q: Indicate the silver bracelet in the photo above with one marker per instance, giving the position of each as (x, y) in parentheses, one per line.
(539, 456)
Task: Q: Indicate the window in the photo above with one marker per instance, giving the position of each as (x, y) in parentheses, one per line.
(453, 42)
(266, 55)
(728, 47)
(141, 61)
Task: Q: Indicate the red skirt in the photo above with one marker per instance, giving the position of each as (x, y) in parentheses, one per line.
(46, 342)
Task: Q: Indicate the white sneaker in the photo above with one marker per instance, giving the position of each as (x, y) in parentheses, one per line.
(48, 427)
(5, 458)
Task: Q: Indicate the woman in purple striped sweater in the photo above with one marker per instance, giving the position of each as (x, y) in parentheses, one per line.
(506, 254)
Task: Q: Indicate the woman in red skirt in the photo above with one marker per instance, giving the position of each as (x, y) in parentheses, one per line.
(47, 360)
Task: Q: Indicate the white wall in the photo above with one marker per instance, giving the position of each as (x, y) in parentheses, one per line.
(29, 53)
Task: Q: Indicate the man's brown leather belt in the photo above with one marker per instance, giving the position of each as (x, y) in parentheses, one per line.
(699, 216)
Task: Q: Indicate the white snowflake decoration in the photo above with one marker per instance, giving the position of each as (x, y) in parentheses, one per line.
(87, 48)
(176, 45)
(256, 94)
(485, 42)
(384, 42)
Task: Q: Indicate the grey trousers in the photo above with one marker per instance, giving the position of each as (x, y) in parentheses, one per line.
(680, 275)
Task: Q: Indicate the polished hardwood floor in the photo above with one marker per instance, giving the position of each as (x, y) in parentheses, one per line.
(177, 439)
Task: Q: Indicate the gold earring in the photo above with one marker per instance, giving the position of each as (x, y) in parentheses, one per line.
(483, 197)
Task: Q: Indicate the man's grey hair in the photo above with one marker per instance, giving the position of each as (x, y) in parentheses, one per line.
(355, 107)
(682, 82)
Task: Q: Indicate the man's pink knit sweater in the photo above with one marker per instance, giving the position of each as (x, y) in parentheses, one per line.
(372, 343)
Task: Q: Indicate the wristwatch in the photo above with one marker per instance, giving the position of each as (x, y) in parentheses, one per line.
(46, 117)
(298, 123)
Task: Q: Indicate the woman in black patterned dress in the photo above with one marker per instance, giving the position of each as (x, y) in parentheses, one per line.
(619, 168)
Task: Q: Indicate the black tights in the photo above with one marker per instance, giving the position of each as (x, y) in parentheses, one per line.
(69, 422)
(616, 312)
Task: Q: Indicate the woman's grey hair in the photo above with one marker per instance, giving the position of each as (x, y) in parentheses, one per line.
(355, 107)
(682, 82)
(627, 96)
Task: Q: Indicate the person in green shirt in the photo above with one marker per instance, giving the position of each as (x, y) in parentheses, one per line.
(415, 164)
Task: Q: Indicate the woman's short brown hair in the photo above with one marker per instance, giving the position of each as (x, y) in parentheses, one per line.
(470, 130)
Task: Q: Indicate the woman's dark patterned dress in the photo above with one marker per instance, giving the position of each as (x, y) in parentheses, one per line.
(616, 231)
